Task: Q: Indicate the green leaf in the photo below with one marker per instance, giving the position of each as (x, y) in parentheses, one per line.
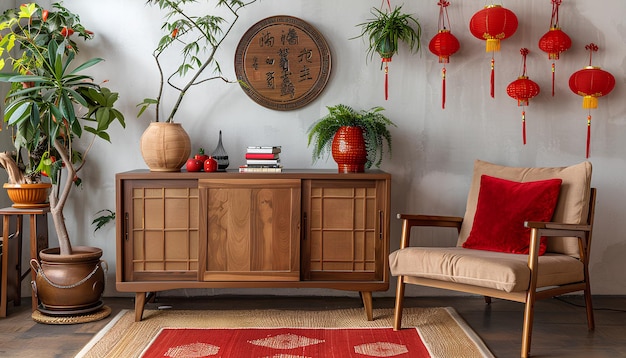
(103, 219)
(17, 113)
(147, 102)
(86, 65)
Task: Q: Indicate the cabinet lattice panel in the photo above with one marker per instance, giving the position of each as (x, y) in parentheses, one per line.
(165, 229)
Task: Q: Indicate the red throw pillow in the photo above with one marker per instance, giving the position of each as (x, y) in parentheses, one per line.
(503, 207)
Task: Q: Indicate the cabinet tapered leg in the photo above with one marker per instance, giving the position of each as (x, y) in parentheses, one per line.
(367, 304)
(140, 302)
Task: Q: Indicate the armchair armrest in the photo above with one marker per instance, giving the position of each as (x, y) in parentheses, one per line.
(558, 229)
(548, 229)
(432, 220)
(411, 220)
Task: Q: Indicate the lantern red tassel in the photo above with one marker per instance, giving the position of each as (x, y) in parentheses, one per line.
(523, 89)
(555, 40)
(591, 82)
(588, 135)
(443, 88)
(492, 79)
(444, 45)
(524, 127)
(493, 24)
(386, 61)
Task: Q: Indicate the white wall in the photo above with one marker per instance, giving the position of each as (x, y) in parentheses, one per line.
(433, 149)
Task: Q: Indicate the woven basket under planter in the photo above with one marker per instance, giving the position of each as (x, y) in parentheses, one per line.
(348, 150)
(28, 195)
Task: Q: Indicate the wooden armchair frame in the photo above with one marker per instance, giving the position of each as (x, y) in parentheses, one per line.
(528, 297)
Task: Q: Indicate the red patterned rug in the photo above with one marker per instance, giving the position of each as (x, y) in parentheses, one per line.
(437, 332)
(286, 342)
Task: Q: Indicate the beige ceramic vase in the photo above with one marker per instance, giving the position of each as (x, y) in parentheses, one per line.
(165, 147)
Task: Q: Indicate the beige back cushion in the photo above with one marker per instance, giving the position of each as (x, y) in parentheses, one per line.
(571, 208)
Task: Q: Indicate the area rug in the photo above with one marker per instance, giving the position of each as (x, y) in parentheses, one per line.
(427, 332)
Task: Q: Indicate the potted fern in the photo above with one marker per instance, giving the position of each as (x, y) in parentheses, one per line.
(51, 104)
(356, 139)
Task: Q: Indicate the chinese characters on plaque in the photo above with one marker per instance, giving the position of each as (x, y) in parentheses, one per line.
(283, 63)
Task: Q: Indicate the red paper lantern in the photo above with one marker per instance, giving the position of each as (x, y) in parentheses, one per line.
(444, 44)
(555, 40)
(591, 82)
(523, 89)
(493, 24)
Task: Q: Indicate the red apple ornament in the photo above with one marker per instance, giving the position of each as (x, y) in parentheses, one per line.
(194, 165)
(210, 165)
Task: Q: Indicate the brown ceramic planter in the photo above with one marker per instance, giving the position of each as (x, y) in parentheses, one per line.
(69, 284)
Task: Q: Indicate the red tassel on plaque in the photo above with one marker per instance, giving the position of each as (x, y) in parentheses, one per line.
(444, 44)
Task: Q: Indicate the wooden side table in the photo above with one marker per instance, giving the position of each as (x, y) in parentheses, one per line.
(38, 225)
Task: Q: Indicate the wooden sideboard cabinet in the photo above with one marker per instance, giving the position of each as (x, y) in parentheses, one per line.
(298, 228)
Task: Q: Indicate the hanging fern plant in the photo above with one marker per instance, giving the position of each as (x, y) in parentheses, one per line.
(387, 29)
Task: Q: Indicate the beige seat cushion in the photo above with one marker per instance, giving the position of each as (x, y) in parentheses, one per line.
(571, 208)
(502, 271)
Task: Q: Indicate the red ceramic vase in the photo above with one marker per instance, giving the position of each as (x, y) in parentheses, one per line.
(348, 150)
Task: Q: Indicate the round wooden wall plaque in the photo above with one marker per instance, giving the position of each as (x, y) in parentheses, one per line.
(283, 63)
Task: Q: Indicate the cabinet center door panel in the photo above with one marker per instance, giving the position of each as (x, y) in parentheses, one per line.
(252, 229)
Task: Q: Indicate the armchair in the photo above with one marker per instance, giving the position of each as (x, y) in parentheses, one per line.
(552, 259)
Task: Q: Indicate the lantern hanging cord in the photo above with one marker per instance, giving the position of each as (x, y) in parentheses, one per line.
(524, 51)
(382, 4)
(592, 48)
(443, 14)
(554, 21)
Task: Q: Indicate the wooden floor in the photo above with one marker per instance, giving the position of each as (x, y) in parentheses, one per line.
(560, 328)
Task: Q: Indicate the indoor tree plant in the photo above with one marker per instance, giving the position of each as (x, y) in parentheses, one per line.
(356, 139)
(51, 104)
(386, 30)
(198, 38)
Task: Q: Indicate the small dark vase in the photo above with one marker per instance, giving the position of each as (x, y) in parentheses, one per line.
(348, 149)
(220, 155)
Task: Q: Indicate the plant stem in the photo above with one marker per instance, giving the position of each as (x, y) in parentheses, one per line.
(57, 201)
(206, 63)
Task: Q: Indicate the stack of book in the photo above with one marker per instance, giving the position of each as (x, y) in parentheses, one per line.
(263, 159)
